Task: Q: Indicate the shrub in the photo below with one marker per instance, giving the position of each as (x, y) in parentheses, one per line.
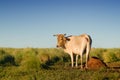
(109, 57)
(6, 59)
(97, 52)
(18, 57)
(52, 56)
(43, 58)
(30, 62)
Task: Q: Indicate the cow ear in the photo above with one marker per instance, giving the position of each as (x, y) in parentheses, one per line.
(68, 39)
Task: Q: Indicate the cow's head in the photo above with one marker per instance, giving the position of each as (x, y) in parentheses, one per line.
(61, 40)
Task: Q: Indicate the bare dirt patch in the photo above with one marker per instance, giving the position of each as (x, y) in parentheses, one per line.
(95, 63)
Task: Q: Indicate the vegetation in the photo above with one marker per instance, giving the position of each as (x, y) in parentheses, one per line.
(54, 64)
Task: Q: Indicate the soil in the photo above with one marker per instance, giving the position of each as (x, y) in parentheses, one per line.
(95, 63)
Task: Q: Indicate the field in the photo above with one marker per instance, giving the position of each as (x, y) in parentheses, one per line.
(54, 64)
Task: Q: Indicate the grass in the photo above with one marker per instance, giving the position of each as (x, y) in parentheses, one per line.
(107, 55)
(13, 73)
(54, 64)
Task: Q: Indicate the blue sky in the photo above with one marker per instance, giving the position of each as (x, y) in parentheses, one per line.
(32, 23)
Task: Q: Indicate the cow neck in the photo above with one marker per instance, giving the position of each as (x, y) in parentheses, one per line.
(67, 39)
(64, 47)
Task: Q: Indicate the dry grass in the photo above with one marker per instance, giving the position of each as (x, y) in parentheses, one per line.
(54, 64)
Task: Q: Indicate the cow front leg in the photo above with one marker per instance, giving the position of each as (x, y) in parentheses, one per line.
(81, 61)
(71, 55)
(77, 60)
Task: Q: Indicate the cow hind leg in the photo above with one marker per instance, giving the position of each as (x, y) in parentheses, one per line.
(87, 56)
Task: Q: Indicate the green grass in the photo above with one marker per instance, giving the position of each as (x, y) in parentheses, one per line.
(15, 73)
(107, 55)
(54, 64)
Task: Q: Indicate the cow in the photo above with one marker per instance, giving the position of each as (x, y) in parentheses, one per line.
(75, 45)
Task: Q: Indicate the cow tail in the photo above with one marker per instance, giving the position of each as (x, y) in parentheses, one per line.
(89, 44)
(89, 41)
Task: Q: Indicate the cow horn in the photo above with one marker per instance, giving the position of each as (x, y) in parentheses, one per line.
(55, 35)
(69, 36)
(65, 34)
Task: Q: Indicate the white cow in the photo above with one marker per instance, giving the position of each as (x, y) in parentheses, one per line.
(75, 45)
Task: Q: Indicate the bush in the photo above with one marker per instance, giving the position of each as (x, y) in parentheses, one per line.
(109, 57)
(6, 59)
(30, 63)
(43, 58)
(18, 57)
(52, 56)
(97, 52)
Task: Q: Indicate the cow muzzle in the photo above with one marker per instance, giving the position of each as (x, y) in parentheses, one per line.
(57, 46)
